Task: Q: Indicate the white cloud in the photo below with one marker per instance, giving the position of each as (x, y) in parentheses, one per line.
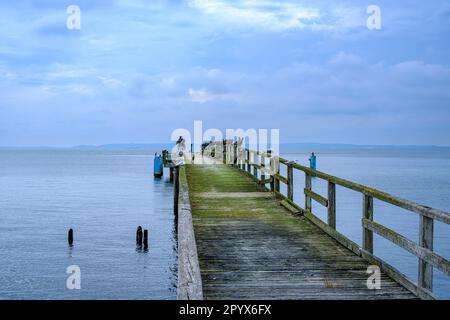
(199, 96)
(268, 15)
(277, 16)
(111, 82)
(168, 82)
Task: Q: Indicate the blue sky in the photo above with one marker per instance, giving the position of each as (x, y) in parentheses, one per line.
(139, 69)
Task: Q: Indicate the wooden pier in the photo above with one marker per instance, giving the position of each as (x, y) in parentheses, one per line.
(239, 237)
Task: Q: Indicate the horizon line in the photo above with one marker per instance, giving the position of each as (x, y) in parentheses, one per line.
(143, 145)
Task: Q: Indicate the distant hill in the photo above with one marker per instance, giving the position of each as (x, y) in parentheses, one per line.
(337, 146)
(126, 146)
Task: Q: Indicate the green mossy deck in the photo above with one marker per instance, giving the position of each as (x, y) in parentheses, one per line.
(250, 247)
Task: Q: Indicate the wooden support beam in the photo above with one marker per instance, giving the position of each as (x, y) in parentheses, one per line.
(426, 241)
(290, 186)
(426, 255)
(249, 167)
(332, 205)
(282, 179)
(367, 237)
(272, 182)
(435, 214)
(263, 170)
(308, 186)
(189, 278)
(277, 174)
(255, 165)
(317, 197)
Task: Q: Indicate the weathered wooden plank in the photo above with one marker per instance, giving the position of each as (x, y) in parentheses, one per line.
(253, 248)
(281, 178)
(423, 253)
(248, 160)
(383, 196)
(189, 278)
(332, 205)
(426, 241)
(317, 197)
(272, 180)
(308, 186)
(399, 277)
(263, 170)
(277, 175)
(367, 235)
(290, 185)
(265, 180)
(288, 206)
(232, 195)
(343, 240)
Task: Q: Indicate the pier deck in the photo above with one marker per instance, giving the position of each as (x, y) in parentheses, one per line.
(251, 247)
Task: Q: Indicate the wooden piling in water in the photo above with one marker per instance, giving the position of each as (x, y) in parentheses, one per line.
(70, 237)
(145, 239)
(139, 236)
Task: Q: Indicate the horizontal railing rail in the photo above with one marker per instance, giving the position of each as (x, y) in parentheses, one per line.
(268, 166)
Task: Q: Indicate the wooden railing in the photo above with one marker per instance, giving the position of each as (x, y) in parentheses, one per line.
(252, 162)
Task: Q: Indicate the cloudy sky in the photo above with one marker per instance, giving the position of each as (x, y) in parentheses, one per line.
(137, 70)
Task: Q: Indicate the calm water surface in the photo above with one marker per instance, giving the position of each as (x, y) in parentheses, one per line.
(103, 196)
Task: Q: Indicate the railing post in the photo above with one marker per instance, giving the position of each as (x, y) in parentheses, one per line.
(241, 158)
(290, 185)
(426, 241)
(308, 186)
(255, 162)
(249, 167)
(277, 171)
(224, 152)
(263, 167)
(367, 237)
(332, 205)
(272, 171)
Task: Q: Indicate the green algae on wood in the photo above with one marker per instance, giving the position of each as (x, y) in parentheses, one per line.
(254, 248)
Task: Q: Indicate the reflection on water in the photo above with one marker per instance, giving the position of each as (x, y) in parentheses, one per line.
(103, 196)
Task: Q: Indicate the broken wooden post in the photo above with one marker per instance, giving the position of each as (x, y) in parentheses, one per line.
(139, 236)
(70, 237)
(145, 239)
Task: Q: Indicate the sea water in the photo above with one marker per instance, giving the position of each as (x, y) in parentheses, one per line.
(103, 196)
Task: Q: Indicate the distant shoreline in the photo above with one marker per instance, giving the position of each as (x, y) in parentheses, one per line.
(283, 147)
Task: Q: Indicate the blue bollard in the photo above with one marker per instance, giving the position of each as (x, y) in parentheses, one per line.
(158, 171)
(312, 161)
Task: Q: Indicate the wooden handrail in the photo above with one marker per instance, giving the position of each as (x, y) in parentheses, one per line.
(423, 250)
(380, 195)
